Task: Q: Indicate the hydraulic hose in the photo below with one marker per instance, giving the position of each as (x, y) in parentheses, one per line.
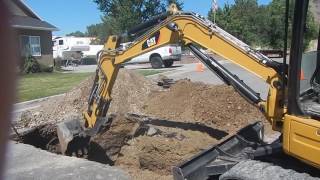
(226, 76)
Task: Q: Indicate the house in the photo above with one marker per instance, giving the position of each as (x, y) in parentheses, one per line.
(34, 35)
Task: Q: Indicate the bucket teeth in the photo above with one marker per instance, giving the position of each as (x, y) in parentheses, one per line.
(68, 131)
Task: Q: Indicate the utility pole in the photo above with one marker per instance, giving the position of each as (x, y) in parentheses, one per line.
(214, 10)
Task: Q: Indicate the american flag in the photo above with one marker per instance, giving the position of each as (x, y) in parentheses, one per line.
(214, 5)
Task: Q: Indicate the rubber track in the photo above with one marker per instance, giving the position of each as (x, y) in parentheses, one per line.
(256, 170)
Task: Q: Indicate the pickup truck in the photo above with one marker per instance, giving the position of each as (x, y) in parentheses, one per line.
(158, 58)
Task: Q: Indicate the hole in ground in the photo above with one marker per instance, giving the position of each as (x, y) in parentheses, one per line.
(125, 131)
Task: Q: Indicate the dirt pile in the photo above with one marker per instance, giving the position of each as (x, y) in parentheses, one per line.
(158, 154)
(129, 94)
(55, 110)
(215, 106)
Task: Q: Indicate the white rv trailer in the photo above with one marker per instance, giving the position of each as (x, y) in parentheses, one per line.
(70, 48)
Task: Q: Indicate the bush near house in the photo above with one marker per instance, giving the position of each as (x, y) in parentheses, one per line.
(31, 65)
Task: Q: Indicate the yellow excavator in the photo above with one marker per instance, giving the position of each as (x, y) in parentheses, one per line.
(292, 105)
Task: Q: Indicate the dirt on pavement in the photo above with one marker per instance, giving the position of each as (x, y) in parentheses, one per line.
(150, 155)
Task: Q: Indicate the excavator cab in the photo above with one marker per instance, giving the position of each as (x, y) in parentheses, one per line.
(310, 83)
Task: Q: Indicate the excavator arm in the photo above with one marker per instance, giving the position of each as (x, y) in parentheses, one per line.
(189, 29)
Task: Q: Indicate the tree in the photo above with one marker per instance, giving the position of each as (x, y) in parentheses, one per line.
(77, 34)
(100, 31)
(260, 26)
(177, 2)
(240, 19)
(121, 15)
(94, 30)
(276, 16)
(125, 14)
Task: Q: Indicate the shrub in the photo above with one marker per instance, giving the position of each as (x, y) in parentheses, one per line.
(31, 65)
(58, 63)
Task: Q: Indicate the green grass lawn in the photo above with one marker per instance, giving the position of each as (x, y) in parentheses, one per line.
(34, 86)
(40, 85)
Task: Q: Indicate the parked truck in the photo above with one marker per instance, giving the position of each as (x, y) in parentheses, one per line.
(158, 58)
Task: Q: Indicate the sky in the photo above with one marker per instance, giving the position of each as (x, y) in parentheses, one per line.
(74, 15)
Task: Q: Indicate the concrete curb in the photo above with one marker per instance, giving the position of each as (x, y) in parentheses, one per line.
(37, 100)
(173, 71)
(29, 163)
(162, 73)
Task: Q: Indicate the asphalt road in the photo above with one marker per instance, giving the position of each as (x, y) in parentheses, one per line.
(25, 162)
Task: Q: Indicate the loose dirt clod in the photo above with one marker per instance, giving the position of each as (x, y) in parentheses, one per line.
(196, 106)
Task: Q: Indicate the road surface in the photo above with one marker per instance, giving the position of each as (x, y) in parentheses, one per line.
(25, 162)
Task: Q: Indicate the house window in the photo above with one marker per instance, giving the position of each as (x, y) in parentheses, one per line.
(30, 45)
(60, 42)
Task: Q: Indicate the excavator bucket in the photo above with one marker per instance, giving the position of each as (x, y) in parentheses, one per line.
(72, 137)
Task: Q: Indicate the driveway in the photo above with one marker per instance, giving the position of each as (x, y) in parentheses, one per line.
(80, 69)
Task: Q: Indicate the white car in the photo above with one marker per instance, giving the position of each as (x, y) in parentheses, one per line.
(161, 57)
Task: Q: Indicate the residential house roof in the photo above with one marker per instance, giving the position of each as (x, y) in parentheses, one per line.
(25, 22)
(27, 18)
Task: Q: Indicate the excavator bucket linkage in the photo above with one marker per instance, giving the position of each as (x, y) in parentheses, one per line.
(246, 144)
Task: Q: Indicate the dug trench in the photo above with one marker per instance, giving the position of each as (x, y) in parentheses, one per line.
(177, 123)
(159, 143)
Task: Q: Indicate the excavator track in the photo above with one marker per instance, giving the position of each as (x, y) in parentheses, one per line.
(253, 170)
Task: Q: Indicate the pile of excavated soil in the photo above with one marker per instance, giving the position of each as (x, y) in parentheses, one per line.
(158, 154)
(219, 107)
(56, 109)
(152, 156)
(129, 94)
